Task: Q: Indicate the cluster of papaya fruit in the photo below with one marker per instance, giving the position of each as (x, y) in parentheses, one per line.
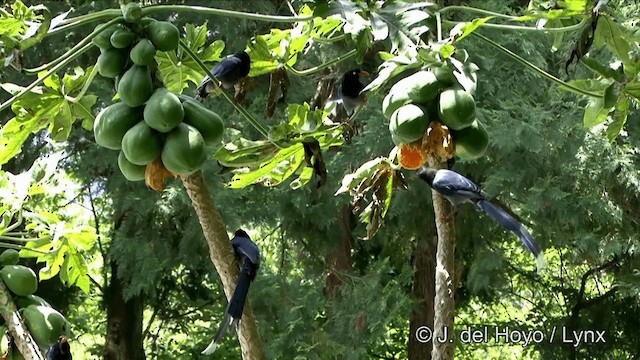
(427, 98)
(44, 322)
(150, 122)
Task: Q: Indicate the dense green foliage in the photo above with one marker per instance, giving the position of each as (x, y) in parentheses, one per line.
(574, 186)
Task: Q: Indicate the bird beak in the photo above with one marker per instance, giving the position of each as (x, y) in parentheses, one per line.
(363, 73)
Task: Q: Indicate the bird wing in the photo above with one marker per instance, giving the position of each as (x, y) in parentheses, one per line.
(244, 247)
(450, 183)
(221, 69)
(226, 66)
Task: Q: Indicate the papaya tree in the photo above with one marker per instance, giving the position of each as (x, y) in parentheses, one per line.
(163, 133)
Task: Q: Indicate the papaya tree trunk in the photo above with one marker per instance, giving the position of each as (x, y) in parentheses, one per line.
(444, 306)
(18, 331)
(224, 260)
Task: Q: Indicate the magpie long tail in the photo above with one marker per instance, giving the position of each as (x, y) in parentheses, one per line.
(234, 309)
(222, 330)
(239, 297)
(511, 224)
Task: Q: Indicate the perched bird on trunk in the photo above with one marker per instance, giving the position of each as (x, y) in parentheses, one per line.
(248, 256)
(349, 90)
(60, 350)
(228, 71)
(457, 189)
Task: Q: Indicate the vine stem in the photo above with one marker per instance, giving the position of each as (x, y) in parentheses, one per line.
(109, 13)
(74, 49)
(535, 68)
(261, 129)
(68, 24)
(474, 10)
(227, 13)
(19, 247)
(488, 25)
(46, 75)
(319, 68)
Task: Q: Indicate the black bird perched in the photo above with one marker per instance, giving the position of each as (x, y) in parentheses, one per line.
(229, 71)
(248, 255)
(349, 90)
(60, 350)
(458, 190)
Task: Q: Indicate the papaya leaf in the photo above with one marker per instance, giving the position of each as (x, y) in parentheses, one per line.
(406, 22)
(274, 171)
(44, 106)
(561, 9)
(245, 153)
(13, 134)
(59, 243)
(177, 69)
(262, 162)
(63, 254)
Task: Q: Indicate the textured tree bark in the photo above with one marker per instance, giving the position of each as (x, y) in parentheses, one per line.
(338, 258)
(222, 257)
(444, 302)
(124, 322)
(424, 291)
(18, 331)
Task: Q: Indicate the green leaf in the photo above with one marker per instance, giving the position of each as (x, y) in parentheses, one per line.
(245, 153)
(177, 69)
(278, 169)
(267, 164)
(13, 134)
(389, 69)
(595, 112)
(619, 118)
(380, 29)
(64, 245)
(600, 69)
(42, 107)
(461, 31)
(615, 38)
(632, 89)
(36, 31)
(81, 110)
